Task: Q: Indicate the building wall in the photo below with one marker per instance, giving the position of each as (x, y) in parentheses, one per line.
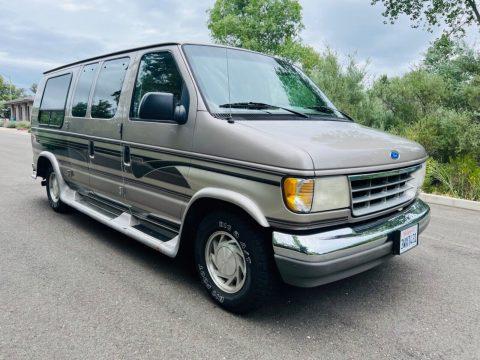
(21, 111)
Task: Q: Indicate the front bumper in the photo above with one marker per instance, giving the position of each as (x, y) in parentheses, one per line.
(320, 258)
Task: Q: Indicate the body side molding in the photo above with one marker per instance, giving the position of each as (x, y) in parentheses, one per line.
(124, 223)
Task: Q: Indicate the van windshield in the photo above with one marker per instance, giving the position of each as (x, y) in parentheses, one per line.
(242, 83)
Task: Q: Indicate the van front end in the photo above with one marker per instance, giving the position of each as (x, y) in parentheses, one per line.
(317, 258)
(384, 217)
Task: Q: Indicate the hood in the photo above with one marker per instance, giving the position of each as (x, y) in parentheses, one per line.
(341, 145)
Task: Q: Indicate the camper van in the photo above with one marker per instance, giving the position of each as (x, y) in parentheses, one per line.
(233, 158)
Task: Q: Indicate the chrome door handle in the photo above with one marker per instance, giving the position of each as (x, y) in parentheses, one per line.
(127, 160)
(91, 149)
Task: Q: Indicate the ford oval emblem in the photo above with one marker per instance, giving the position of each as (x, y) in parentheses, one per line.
(394, 155)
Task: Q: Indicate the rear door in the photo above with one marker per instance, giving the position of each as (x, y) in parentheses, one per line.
(51, 119)
(103, 125)
(156, 171)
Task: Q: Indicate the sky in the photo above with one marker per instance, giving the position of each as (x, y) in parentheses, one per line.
(37, 35)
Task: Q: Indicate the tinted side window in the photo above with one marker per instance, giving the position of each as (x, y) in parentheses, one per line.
(82, 91)
(158, 73)
(108, 88)
(52, 107)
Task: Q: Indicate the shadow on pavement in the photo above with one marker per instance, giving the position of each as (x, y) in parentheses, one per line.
(368, 292)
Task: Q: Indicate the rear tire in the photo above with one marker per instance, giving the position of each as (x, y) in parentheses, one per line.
(234, 260)
(53, 192)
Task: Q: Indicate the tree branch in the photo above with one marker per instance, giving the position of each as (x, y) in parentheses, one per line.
(473, 5)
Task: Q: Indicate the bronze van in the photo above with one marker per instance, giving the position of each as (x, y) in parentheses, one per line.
(229, 155)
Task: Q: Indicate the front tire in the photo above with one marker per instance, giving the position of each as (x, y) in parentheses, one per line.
(234, 261)
(53, 192)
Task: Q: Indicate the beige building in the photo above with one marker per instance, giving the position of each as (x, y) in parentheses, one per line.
(20, 109)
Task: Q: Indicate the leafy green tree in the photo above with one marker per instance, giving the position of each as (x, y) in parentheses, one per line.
(345, 86)
(455, 15)
(9, 91)
(269, 26)
(410, 97)
(459, 66)
(452, 59)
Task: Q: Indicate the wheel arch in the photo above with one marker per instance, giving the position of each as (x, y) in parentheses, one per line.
(209, 199)
(44, 160)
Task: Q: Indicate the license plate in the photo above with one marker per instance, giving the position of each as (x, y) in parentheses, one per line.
(407, 239)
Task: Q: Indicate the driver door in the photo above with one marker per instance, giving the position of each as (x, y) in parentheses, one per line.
(155, 170)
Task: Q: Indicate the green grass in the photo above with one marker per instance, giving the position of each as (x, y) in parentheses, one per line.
(22, 125)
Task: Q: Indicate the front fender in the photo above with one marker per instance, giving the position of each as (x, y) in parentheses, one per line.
(235, 198)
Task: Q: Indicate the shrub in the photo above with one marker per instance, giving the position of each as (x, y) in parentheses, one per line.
(410, 97)
(22, 125)
(446, 134)
(459, 178)
(11, 125)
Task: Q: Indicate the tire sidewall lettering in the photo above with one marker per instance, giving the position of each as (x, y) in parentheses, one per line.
(224, 225)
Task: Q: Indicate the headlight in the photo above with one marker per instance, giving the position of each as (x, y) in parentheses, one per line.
(313, 195)
(331, 192)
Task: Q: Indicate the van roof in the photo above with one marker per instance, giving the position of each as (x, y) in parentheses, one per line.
(109, 54)
(143, 48)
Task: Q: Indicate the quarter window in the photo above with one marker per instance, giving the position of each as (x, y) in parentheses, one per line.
(82, 91)
(108, 88)
(158, 72)
(52, 107)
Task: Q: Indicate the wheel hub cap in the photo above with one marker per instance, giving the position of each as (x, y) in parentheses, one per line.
(225, 261)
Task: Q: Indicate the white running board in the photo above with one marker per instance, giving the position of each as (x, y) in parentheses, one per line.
(123, 223)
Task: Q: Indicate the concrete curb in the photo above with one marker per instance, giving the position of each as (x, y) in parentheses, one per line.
(449, 201)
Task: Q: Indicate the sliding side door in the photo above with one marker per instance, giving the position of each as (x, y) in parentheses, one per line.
(103, 127)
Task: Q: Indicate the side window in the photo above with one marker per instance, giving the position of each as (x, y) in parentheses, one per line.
(52, 107)
(108, 88)
(82, 91)
(158, 72)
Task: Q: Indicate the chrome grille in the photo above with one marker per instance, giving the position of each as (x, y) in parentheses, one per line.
(375, 192)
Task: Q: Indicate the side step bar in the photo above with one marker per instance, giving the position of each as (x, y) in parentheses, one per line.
(167, 242)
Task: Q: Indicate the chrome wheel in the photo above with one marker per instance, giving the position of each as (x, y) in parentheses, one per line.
(225, 262)
(54, 187)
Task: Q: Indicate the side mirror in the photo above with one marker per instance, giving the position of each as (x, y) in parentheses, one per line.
(161, 106)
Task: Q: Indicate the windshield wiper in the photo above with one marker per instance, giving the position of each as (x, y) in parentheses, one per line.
(323, 109)
(261, 106)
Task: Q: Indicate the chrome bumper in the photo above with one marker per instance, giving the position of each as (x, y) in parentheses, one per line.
(316, 259)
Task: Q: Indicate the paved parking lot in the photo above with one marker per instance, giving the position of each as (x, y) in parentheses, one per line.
(72, 288)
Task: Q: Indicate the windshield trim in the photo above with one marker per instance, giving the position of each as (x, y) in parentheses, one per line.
(250, 116)
(267, 116)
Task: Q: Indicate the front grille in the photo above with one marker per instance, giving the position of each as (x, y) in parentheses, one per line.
(376, 192)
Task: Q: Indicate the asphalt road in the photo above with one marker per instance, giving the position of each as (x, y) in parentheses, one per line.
(72, 288)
